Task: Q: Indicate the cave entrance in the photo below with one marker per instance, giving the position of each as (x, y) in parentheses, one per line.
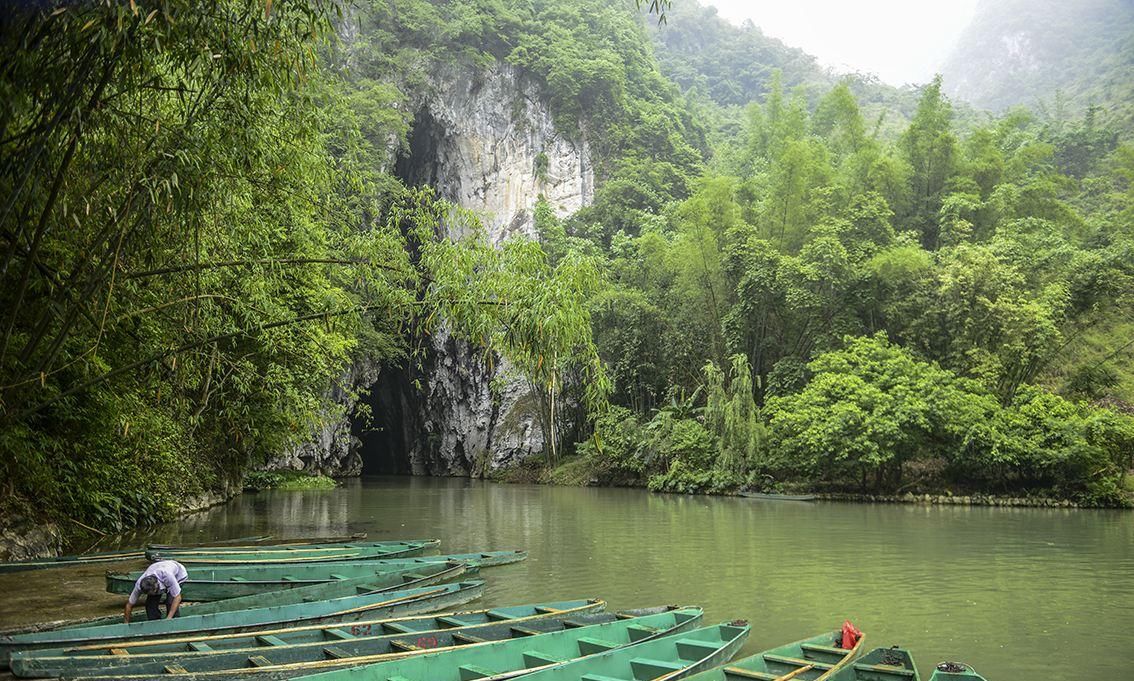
(385, 435)
(423, 161)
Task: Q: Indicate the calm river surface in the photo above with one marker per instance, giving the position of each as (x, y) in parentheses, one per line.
(1018, 593)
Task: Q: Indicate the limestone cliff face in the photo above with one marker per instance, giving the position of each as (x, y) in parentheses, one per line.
(485, 139)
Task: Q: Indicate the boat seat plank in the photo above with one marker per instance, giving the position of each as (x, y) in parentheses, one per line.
(453, 621)
(334, 575)
(339, 634)
(796, 661)
(534, 658)
(334, 653)
(258, 661)
(749, 674)
(547, 610)
(885, 669)
(397, 628)
(649, 668)
(469, 672)
(367, 588)
(467, 638)
(692, 649)
(268, 640)
(237, 579)
(174, 669)
(831, 650)
(524, 631)
(119, 651)
(590, 646)
(411, 576)
(404, 646)
(497, 615)
(639, 632)
(198, 647)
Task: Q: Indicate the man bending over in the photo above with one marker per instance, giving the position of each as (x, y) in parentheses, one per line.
(161, 578)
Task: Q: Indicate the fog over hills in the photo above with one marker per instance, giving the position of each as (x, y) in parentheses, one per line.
(1057, 56)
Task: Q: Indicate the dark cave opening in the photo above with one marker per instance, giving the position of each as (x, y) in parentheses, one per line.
(384, 435)
(420, 163)
(388, 434)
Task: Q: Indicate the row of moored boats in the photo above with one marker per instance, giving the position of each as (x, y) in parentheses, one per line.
(344, 609)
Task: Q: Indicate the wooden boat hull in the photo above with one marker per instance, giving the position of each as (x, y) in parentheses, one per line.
(348, 609)
(674, 656)
(259, 578)
(510, 656)
(306, 649)
(204, 590)
(301, 554)
(811, 659)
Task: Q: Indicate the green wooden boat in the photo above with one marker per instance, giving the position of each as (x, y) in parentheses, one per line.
(294, 653)
(299, 554)
(604, 652)
(126, 554)
(345, 610)
(955, 671)
(818, 657)
(429, 574)
(513, 656)
(675, 656)
(265, 541)
(200, 589)
(250, 579)
(281, 641)
(72, 561)
(880, 664)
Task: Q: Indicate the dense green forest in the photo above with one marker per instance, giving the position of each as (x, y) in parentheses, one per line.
(788, 278)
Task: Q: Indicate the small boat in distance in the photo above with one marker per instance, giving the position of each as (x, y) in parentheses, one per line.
(779, 497)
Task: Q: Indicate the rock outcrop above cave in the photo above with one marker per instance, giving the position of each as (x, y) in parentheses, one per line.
(486, 140)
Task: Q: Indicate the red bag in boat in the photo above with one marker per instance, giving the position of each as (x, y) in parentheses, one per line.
(851, 634)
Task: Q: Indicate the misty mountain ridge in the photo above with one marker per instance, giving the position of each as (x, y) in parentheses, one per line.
(1057, 57)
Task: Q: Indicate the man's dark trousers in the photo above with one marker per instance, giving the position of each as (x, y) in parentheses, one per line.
(153, 612)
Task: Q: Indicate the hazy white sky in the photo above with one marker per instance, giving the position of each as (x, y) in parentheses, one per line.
(900, 41)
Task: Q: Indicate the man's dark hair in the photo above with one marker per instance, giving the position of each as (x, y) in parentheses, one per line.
(150, 585)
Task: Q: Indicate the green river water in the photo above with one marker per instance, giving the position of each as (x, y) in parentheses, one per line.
(1018, 593)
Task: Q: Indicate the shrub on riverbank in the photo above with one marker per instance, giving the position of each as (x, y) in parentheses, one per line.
(870, 419)
(257, 481)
